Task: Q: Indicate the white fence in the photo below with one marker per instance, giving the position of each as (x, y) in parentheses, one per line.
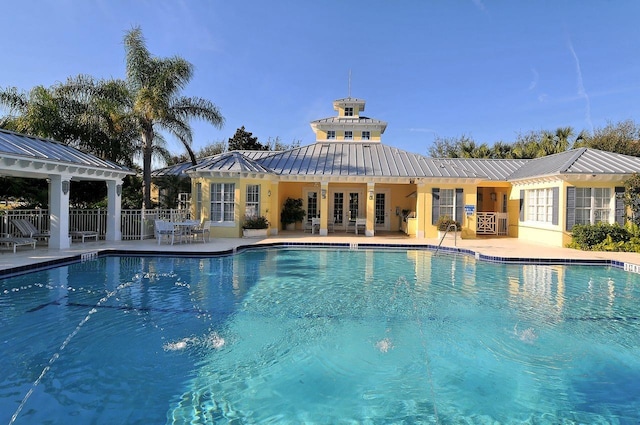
(134, 224)
(491, 223)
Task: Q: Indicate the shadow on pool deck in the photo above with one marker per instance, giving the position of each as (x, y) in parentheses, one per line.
(496, 247)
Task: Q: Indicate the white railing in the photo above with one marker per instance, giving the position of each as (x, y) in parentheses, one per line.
(134, 224)
(491, 223)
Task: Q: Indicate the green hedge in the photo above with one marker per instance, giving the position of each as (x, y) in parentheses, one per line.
(605, 237)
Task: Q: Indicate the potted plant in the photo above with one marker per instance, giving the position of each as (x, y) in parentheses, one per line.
(255, 226)
(444, 224)
(292, 212)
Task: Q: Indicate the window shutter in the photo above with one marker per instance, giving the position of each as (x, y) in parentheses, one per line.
(522, 205)
(435, 205)
(571, 208)
(459, 205)
(621, 211)
(555, 193)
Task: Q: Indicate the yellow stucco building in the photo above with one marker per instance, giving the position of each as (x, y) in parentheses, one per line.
(350, 181)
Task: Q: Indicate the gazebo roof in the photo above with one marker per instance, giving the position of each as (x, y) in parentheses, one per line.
(35, 157)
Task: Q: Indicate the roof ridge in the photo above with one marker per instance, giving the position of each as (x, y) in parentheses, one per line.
(572, 159)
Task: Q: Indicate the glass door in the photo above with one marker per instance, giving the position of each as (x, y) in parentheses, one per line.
(381, 216)
(338, 209)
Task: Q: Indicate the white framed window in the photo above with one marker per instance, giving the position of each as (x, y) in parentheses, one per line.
(539, 204)
(252, 202)
(348, 111)
(593, 205)
(223, 202)
(331, 134)
(447, 203)
(348, 135)
(366, 135)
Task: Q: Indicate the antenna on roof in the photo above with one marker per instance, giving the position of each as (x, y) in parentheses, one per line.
(349, 84)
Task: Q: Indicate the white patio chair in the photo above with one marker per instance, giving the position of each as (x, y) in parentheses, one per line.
(203, 229)
(168, 229)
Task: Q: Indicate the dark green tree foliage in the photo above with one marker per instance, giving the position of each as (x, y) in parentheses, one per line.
(82, 113)
(632, 197)
(622, 137)
(30, 193)
(244, 140)
(211, 149)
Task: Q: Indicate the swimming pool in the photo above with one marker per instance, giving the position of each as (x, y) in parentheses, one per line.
(319, 336)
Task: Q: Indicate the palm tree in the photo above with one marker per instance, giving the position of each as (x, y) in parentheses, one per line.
(155, 86)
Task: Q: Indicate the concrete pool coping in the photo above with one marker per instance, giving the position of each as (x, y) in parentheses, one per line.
(509, 250)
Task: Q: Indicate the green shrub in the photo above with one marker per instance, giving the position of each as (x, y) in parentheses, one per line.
(599, 237)
(255, 222)
(444, 221)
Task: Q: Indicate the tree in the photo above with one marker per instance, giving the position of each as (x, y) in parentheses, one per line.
(451, 147)
(211, 149)
(631, 197)
(155, 85)
(462, 147)
(622, 137)
(275, 144)
(244, 140)
(502, 150)
(83, 113)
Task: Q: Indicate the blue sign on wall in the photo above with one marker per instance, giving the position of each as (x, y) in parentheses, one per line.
(470, 209)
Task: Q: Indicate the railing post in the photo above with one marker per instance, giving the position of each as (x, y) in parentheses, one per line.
(143, 214)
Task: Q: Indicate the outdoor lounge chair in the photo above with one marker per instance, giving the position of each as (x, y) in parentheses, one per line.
(84, 234)
(28, 230)
(14, 242)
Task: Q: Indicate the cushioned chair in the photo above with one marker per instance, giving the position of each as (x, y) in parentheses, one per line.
(202, 230)
(168, 229)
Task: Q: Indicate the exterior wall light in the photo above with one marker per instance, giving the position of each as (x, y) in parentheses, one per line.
(65, 186)
(119, 189)
(371, 195)
(324, 193)
(269, 193)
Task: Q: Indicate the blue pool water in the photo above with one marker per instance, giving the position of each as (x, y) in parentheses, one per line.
(319, 336)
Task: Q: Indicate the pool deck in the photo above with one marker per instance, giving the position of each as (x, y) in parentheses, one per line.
(500, 248)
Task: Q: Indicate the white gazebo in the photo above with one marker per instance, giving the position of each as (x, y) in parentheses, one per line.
(38, 158)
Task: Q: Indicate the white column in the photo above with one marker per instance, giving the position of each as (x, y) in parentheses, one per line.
(59, 188)
(114, 208)
(325, 214)
(371, 209)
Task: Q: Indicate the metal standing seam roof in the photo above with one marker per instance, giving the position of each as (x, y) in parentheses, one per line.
(181, 168)
(374, 159)
(366, 160)
(579, 161)
(233, 161)
(30, 147)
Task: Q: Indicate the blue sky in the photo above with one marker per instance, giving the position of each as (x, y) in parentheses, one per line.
(485, 69)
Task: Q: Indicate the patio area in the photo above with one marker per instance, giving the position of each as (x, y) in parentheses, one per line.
(494, 247)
